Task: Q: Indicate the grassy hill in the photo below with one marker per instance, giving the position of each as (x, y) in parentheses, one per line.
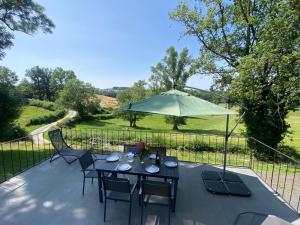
(107, 102)
(28, 112)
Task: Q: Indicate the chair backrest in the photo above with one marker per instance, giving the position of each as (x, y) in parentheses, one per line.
(116, 184)
(158, 188)
(86, 160)
(161, 150)
(57, 140)
(129, 147)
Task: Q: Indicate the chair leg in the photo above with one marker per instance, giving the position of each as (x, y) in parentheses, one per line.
(170, 205)
(142, 205)
(104, 216)
(83, 185)
(129, 212)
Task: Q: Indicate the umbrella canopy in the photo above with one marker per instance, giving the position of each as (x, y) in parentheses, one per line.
(177, 103)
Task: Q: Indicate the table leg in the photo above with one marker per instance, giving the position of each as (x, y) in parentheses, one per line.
(175, 194)
(100, 187)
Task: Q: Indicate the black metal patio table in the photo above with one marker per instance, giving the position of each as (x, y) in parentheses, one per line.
(138, 170)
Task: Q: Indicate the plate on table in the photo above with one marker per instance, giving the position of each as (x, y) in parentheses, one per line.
(152, 169)
(152, 156)
(129, 155)
(112, 158)
(171, 164)
(124, 167)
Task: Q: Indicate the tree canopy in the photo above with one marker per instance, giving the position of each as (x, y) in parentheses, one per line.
(79, 96)
(132, 94)
(25, 16)
(9, 101)
(252, 47)
(172, 72)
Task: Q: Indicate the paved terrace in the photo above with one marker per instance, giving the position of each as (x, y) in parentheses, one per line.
(50, 194)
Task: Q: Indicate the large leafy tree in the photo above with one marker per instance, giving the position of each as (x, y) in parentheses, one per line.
(9, 101)
(58, 79)
(254, 47)
(41, 82)
(132, 94)
(172, 72)
(79, 96)
(21, 15)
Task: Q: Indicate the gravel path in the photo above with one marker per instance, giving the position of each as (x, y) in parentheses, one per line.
(37, 135)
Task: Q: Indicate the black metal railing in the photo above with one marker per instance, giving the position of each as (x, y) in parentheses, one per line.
(23, 153)
(278, 170)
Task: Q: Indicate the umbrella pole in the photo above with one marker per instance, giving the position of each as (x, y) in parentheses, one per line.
(226, 146)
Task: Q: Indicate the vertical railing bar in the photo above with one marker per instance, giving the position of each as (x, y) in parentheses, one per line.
(286, 172)
(293, 182)
(12, 160)
(3, 162)
(20, 162)
(278, 176)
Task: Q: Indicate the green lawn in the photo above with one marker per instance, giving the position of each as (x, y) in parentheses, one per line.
(213, 125)
(29, 112)
(293, 139)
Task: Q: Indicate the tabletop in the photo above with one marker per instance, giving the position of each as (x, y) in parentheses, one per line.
(138, 168)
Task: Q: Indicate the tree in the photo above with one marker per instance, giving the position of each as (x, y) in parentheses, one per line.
(25, 89)
(133, 94)
(78, 95)
(172, 72)
(41, 82)
(21, 15)
(253, 47)
(9, 101)
(58, 79)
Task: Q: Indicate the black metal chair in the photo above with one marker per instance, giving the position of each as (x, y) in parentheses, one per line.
(62, 149)
(160, 149)
(117, 189)
(87, 163)
(129, 147)
(156, 188)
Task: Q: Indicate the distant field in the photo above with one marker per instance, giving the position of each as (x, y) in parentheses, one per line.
(29, 112)
(107, 102)
(214, 125)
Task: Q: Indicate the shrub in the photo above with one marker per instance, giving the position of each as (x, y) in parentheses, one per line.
(47, 119)
(43, 104)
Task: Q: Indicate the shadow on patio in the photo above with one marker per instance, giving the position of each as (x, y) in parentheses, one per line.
(51, 194)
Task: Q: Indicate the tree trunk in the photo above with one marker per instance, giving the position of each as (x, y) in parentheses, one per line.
(134, 121)
(175, 126)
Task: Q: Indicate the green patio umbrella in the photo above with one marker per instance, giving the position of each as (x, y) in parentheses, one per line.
(182, 104)
(177, 103)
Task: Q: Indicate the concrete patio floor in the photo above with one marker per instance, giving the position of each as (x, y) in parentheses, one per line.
(50, 194)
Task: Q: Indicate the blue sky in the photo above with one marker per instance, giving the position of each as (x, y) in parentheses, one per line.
(107, 43)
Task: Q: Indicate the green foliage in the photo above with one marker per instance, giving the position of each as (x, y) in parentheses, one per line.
(25, 89)
(40, 82)
(133, 94)
(43, 104)
(58, 114)
(175, 121)
(28, 112)
(58, 79)
(79, 96)
(173, 71)
(10, 102)
(21, 15)
(254, 47)
(44, 83)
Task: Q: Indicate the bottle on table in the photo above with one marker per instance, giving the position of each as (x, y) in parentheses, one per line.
(157, 158)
